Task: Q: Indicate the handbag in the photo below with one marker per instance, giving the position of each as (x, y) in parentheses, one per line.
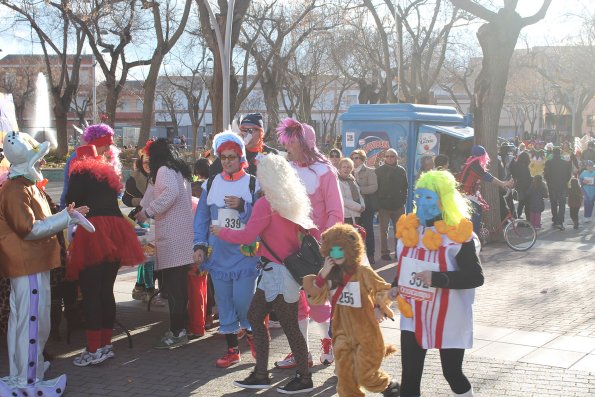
(307, 260)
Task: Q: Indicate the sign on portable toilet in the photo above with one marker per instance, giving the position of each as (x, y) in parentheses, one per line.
(414, 131)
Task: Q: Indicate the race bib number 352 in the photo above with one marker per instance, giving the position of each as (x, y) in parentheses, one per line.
(409, 285)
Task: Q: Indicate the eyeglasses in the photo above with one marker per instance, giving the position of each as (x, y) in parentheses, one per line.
(229, 158)
(249, 130)
(356, 158)
(334, 156)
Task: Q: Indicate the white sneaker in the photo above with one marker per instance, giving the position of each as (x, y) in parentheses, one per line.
(156, 302)
(87, 358)
(108, 350)
(274, 324)
(587, 220)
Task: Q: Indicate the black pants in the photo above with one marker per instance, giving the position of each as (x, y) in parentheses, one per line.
(574, 215)
(97, 286)
(367, 222)
(175, 285)
(558, 205)
(412, 362)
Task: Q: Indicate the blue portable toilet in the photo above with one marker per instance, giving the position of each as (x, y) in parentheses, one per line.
(414, 131)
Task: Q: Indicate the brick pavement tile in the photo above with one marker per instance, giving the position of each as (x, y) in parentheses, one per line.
(528, 338)
(572, 343)
(503, 351)
(491, 333)
(553, 357)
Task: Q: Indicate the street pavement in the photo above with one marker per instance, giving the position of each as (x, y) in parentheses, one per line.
(534, 335)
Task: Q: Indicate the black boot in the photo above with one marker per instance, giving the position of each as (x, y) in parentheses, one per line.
(55, 320)
(392, 390)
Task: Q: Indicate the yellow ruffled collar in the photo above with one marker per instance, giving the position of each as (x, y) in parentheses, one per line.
(407, 226)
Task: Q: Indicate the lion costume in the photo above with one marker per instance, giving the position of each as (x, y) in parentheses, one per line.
(355, 291)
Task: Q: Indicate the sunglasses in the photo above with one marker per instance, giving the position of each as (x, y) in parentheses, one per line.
(230, 158)
(356, 158)
(249, 130)
(334, 156)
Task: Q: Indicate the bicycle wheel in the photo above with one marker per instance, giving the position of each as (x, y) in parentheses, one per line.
(520, 235)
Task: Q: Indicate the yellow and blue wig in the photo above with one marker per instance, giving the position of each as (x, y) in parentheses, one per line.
(454, 206)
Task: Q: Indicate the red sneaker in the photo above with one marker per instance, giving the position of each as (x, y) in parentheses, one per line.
(327, 357)
(230, 358)
(250, 340)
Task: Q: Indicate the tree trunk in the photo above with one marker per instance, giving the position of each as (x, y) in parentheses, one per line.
(61, 129)
(497, 40)
(149, 86)
(216, 93)
(270, 92)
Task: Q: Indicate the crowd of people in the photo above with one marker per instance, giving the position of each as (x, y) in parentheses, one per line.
(223, 231)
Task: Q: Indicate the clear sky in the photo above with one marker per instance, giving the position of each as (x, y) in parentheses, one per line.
(560, 22)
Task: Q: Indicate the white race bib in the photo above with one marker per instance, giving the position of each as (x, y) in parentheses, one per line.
(350, 296)
(229, 218)
(409, 286)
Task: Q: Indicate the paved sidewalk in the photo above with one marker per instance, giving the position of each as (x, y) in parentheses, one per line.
(534, 335)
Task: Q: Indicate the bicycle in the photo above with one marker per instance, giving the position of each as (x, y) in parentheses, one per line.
(519, 234)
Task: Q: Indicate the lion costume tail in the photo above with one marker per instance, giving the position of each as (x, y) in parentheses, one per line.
(389, 349)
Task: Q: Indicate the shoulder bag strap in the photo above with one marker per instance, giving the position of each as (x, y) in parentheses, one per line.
(270, 250)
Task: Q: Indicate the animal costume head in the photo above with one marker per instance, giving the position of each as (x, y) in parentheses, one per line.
(228, 140)
(343, 241)
(24, 153)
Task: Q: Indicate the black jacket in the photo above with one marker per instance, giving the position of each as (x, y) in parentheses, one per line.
(557, 173)
(392, 187)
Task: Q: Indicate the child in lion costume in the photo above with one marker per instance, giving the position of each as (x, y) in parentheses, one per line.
(359, 299)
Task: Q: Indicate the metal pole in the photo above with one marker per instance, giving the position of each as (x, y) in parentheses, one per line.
(226, 65)
(94, 92)
(397, 57)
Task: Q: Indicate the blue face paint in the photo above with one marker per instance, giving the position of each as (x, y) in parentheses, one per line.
(337, 252)
(426, 202)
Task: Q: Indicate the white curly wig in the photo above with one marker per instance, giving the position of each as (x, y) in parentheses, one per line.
(284, 190)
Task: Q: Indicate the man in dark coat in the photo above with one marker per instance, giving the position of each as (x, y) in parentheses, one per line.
(557, 173)
(392, 195)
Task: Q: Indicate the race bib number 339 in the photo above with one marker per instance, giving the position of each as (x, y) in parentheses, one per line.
(409, 285)
(230, 218)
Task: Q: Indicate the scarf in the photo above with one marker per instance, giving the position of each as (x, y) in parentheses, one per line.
(352, 186)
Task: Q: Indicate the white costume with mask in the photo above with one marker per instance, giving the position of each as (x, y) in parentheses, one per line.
(25, 216)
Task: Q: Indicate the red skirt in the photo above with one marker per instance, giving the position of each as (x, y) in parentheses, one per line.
(114, 240)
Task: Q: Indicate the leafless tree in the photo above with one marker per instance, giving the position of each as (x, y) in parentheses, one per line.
(21, 84)
(62, 43)
(165, 18)
(111, 28)
(498, 38)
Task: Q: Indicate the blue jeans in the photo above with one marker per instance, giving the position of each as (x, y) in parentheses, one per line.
(233, 299)
(476, 217)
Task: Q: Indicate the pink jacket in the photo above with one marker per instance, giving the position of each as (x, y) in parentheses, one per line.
(325, 196)
(171, 206)
(279, 233)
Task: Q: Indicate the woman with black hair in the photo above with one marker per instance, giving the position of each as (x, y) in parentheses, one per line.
(135, 188)
(169, 202)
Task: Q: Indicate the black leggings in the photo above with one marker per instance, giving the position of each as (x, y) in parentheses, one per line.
(97, 286)
(287, 313)
(412, 362)
(175, 285)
